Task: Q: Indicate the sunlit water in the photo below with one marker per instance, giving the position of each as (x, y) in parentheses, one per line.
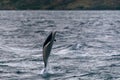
(87, 45)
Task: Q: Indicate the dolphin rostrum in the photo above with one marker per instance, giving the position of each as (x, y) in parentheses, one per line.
(47, 46)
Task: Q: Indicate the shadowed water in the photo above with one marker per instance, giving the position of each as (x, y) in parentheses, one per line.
(87, 45)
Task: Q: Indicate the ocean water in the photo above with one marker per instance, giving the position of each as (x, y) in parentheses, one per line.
(87, 45)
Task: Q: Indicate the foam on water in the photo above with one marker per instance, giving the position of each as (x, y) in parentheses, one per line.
(44, 72)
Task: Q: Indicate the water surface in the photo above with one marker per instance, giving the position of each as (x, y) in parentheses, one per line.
(87, 45)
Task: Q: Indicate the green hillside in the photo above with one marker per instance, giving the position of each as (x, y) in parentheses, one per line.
(59, 4)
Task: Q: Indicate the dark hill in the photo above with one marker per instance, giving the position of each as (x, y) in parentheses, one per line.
(60, 4)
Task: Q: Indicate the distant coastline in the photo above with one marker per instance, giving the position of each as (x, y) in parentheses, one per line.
(59, 5)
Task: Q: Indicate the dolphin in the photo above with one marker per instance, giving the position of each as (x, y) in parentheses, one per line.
(47, 46)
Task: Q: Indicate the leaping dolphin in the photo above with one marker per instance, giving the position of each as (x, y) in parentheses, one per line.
(47, 46)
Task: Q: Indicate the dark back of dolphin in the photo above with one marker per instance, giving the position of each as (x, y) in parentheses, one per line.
(49, 38)
(47, 46)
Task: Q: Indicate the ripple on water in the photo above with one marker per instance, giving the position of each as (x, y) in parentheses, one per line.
(86, 48)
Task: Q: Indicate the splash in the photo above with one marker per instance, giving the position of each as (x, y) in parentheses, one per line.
(45, 72)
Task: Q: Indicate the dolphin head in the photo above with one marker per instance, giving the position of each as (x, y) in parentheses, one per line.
(50, 38)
